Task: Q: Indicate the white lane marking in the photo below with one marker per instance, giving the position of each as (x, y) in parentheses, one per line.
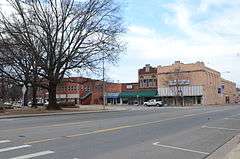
(231, 119)
(235, 115)
(179, 148)
(14, 148)
(4, 141)
(219, 128)
(34, 155)
(137, 125)
(49, 126)
(189, 115)
(6, 119)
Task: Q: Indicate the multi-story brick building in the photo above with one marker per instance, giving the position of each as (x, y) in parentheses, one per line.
(84, 91)
(229, 91)
(145, 89)
(238, 95)
(147, 77)
(176, 84)
(194, 84)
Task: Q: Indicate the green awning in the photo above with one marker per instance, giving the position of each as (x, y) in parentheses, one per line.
(136, 94)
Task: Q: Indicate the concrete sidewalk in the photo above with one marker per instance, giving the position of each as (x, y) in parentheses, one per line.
(80, 110)
(230, 150)
(234, 154)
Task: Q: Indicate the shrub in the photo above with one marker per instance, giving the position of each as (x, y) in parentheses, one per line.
(67, 105)
(2, 109)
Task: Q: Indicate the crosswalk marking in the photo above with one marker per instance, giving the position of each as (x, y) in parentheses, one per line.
(34, 155)
(14, 148)
(4, 141)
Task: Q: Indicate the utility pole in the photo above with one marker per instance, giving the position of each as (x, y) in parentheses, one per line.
(104, 85)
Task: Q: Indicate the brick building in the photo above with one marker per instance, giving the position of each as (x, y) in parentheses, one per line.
(238, 95)
(176, 84)
(83, 91)
(145, 89)
(194, 84)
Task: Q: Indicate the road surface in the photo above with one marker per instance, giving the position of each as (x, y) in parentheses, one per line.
(135, 133)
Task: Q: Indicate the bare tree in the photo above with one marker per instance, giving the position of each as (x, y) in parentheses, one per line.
(17, 65)
(64, 36)
(175, 81)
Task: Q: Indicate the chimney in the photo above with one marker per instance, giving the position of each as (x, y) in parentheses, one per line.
(200, 63)
(177, 62)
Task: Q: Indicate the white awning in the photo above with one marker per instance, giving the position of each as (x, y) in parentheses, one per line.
(181, 91)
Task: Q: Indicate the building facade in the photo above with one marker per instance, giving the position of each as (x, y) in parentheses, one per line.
(194, 84)
(145, 89)
(177, 84)
(84, 91)
(238, 95)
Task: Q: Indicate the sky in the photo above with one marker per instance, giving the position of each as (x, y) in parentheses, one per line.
(160, 32)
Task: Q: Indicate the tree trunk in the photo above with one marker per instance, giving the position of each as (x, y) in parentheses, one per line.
(34, 96)
(52, 91)
(25, 98)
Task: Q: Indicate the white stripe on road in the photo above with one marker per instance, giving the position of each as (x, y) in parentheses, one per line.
(235, 115)
(14, 148)
(34, 155)
(4, 141)
(231, 119)
(179, 148)
(219, 128)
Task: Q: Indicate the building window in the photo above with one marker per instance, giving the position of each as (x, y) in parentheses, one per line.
(147, 69)
(219, 90)
(150, 82)
(129, 86)
(141, 83)
(199, 100)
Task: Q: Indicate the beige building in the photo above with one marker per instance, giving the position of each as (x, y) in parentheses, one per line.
(194, 84)
(238, 95)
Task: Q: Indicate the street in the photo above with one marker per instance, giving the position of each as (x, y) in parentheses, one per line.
(135, 133)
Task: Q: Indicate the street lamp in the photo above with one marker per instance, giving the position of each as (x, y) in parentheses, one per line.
(104, 85)
(24, 89)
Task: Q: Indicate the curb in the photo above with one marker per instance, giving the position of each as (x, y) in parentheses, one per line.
(54, 114)
(224, 150)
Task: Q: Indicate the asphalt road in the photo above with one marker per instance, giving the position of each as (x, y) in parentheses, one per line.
(136, 133)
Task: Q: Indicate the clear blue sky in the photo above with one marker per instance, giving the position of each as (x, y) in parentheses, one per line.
(162, 31)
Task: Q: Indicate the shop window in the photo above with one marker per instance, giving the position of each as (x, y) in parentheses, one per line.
(219, 90)
(199, 100)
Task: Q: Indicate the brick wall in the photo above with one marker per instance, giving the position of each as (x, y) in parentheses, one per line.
(147, 77)
(198, 74)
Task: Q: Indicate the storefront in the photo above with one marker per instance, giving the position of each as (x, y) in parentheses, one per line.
(113, 98)
(137, 97)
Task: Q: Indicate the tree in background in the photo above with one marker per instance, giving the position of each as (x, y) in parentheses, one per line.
(58, 37)
(174, 81)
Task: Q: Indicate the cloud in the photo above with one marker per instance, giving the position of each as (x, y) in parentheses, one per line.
(205, 5)
(140, 30)
(203, 39)
(201, 36)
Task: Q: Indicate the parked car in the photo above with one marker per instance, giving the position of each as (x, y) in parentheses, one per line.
(46, 103)
(7, 105)
(17, 104)
(153, 102)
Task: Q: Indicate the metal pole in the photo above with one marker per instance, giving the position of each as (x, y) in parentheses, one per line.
(104, 86)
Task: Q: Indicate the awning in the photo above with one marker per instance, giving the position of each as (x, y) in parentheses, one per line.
(112, 95)
(137, 94)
